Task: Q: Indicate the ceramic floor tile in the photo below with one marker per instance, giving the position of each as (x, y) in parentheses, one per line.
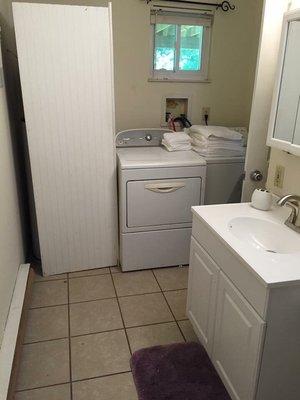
(116, 387)
(172, 278)
(91, 288)
(154, 335)
(40, 278)
(144, 309)
(138, 282)
(44, 364)
(99, 354)
(46, 324)
(95, 316)
(60, 392)
(177, 302)
(188, 331)
(50, 293)
(89, 272)
(115, 270)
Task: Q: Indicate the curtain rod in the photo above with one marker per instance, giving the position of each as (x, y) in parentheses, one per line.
(224, 5)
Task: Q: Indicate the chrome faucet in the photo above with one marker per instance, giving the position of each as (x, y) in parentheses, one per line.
(292, 201)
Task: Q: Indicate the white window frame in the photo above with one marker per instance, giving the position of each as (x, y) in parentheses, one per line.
(179, 75)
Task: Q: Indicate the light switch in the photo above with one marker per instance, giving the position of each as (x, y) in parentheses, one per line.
(279, 176)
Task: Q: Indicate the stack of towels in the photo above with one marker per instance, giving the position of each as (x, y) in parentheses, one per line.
(216, 141)
(174, 141)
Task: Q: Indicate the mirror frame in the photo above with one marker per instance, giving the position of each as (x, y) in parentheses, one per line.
(271, 141)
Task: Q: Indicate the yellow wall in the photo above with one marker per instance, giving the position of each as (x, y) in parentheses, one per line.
(232, 66)
(291, 183)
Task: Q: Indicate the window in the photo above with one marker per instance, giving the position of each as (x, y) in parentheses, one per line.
(180, 46)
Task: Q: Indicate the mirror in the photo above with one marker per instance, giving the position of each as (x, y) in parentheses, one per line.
(284, 126)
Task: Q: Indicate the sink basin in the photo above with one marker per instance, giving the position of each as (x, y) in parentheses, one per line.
(265, 235)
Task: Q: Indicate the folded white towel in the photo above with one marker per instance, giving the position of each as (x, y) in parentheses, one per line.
(217, 144)
(176, 146)
(176, 137)
(208, 152)
(217, 131)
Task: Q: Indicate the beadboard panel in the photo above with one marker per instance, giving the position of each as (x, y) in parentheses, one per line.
(65, 60)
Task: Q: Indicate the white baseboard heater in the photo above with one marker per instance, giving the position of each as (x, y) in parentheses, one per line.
(11, 331)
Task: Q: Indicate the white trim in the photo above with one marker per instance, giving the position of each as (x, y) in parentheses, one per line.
(271, 141)
(11, 331)
(176, 17)
(180, 80)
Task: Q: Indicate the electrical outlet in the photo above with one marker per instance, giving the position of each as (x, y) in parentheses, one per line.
(279, 176)
(205, 111)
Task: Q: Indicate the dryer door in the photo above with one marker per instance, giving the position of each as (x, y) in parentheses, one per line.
(162, 202)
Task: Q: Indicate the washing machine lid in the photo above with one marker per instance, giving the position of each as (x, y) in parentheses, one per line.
(224, 159)
(156, 157)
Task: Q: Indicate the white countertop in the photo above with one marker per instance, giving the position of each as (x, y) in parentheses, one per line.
(272, 269)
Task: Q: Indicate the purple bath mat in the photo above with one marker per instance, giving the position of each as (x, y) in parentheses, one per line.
(180, 371)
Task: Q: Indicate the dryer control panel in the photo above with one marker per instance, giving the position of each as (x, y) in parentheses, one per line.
(150, 137)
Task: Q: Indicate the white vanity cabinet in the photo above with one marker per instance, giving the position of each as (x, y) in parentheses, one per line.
(227, 326)
(239, 332)
(249, 328)
(202, 294)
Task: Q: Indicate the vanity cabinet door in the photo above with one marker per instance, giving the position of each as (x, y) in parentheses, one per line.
(239, 333)
(202, 294)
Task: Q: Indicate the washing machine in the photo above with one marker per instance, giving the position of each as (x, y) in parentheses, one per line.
(157, 189)
(224, 179)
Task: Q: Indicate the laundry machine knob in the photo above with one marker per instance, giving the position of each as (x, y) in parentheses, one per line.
(148, 138)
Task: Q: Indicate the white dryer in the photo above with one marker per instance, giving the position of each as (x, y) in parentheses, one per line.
(157, 189)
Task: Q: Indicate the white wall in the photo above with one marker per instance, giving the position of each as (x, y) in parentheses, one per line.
(11, 248)
(257, 151)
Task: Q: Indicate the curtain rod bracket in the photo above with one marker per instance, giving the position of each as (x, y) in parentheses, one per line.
(224, 5)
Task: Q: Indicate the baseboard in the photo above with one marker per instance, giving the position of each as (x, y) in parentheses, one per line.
(13, 333)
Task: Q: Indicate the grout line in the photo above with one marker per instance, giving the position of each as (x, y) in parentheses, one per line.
(153, 323)
(48, 306)
(106, 331)
(106, 298)
(121, 313)
(174, 290)
(42, 387)
(45, 340)
(74, 381)
(169, 307)
(92, 300)
(89, 276)
(97, 333)
(137, 294)
(102, 376)
(49, 280)
(69, 332)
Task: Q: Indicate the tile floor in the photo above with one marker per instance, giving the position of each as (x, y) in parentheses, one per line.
(83, 327)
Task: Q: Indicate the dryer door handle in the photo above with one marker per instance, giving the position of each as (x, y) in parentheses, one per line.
(164, 187)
